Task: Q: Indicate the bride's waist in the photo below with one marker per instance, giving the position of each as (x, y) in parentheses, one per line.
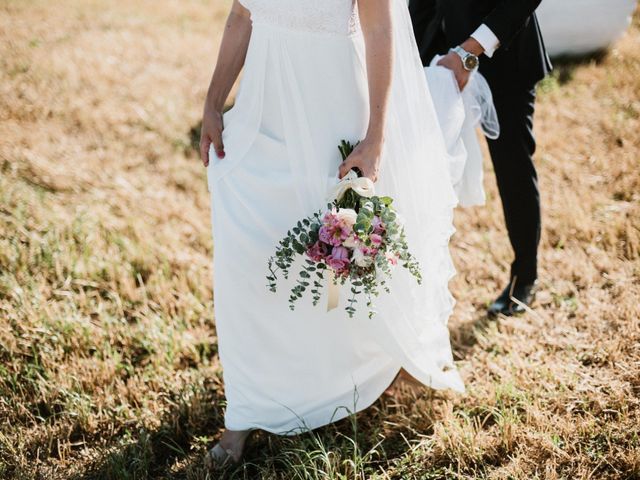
(295, 29)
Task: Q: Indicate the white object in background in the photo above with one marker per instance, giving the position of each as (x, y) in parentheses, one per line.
(579, 27)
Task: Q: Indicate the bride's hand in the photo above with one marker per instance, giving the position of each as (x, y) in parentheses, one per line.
(211, 132)
(366, 157)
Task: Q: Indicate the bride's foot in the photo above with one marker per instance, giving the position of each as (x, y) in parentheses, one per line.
(228, 450)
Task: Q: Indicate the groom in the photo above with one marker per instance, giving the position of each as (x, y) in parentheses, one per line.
(501, 38)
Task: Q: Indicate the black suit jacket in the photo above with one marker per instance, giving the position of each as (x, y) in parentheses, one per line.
(522, 57)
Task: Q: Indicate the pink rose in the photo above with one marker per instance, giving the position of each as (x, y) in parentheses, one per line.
(339, 259)
(392, 258)
(376, 239)
(318, 251)
(369, 251)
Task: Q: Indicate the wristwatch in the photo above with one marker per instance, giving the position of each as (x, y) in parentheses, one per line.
(469, 60)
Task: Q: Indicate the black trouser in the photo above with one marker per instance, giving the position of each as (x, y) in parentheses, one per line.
(512, 156)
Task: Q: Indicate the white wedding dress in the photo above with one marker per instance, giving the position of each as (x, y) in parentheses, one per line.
(304, 88)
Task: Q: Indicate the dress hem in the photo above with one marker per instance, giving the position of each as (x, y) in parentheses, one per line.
(341, 413)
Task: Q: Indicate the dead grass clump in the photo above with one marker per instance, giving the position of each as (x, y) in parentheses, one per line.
(108, 352)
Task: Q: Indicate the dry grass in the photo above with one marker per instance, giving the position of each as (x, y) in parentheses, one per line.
(108, 365)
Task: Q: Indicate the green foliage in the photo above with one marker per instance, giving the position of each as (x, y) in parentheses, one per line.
(365, 281)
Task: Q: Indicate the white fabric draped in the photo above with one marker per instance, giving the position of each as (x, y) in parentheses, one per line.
(460, 114)
(304, 89)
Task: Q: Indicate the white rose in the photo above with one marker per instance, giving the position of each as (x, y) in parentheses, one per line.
(347, 215)
(360, 259)
(350, 242)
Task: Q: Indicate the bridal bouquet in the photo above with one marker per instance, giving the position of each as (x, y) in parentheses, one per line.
(359, 238)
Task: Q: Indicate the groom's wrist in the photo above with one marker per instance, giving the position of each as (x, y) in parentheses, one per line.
(487, 39)
(471, 45)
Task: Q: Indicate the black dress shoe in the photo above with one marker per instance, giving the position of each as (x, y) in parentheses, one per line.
(513, 299)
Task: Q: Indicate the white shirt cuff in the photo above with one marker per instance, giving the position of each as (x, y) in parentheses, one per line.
(485, 37)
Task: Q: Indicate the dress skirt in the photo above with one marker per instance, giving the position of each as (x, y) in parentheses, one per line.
(289, 371)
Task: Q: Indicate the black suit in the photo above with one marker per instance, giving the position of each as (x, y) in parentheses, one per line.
(513, 71)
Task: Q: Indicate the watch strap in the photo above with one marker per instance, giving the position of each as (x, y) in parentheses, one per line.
(463, 54)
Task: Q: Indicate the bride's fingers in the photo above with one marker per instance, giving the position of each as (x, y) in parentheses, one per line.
(218, 145)
(205, 143)
(345, 166)
(371, 174)
(367, 169)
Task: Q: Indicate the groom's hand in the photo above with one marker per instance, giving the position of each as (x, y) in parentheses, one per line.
(453, 62)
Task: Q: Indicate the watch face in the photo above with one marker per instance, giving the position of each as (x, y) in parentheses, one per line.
(471, 62)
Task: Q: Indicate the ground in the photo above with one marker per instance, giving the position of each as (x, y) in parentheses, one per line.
(108, 362)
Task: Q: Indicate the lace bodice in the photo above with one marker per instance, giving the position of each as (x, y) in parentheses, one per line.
(320, 16)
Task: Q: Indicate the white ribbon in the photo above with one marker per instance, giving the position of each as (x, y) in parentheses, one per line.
(333, 291)
(361, 185)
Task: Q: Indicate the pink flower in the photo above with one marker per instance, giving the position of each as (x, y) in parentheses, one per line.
(326, 235)
(334, 236)
(392, 258)
(339, 259)
(369, 251)
(376, 239)
(378, 226)
(318, 251)
(330, 217)
(336, 228)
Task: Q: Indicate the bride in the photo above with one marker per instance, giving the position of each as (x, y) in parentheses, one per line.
(316, 73)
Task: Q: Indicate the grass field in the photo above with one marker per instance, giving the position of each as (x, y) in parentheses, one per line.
(108, 364)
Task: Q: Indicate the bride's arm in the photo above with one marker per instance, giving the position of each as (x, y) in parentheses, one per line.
(233, 51)
(376, 23)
